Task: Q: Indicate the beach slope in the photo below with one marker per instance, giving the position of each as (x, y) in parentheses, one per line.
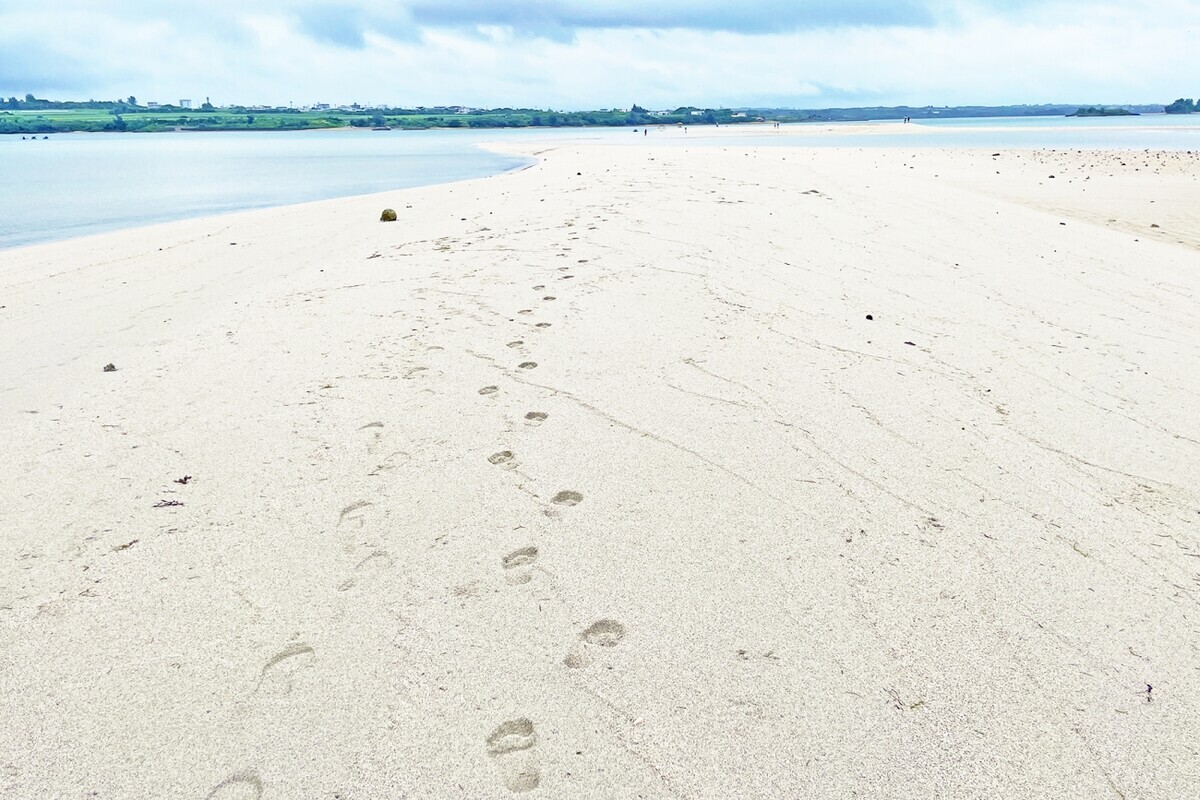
(705, 472)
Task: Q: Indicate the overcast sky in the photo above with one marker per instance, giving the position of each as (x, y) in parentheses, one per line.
(582, 54)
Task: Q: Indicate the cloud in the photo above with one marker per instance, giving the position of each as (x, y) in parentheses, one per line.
(31, 64)
(575, 54)
(336, 25)
(748, 16)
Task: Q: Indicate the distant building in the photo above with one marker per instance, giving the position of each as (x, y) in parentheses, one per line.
(151, 104)
(185, 103)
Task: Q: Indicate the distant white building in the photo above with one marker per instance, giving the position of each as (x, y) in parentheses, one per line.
(185, 103)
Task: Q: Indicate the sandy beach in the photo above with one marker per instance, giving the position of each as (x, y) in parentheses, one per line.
(648, 471)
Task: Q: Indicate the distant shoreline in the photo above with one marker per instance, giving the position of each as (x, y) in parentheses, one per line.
(45, 117)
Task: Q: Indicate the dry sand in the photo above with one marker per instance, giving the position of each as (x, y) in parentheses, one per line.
(595, 480)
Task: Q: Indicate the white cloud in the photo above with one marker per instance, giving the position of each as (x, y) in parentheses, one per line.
(576, 54)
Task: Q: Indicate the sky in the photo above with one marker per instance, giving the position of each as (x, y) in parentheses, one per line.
(589, 54)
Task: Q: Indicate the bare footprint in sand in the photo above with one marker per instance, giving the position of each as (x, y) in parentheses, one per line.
(239, 786)
(536, 418)
(392, 462)
(513, 746)
(518, 565)
(527, 364)
(517, 343)
(525, 311)
(374, 435)
(278, 676)
(368, 570)
(489, 390)
(543, 325)
(503, 457)
(351, 512)
(567, 498)
(603, 633)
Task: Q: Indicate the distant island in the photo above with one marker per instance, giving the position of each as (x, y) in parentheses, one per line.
(33, 115)
(1098, 111)
(1184, 105)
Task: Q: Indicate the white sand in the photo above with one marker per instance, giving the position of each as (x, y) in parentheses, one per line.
(809, 559)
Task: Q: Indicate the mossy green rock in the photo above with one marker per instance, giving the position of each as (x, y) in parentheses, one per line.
(388, 215)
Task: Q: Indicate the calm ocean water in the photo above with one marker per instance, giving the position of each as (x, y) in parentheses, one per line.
(76, 184)
(1148, 131)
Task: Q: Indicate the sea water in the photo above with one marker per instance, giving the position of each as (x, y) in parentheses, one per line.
(76, 184)
(72, 184)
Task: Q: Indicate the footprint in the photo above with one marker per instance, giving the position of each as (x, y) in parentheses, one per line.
(536, 418)
(368, 570)
(527, 364)
(375, 435)
(577, 658)
(517, 343)
(239, 786)
(513, 747)
(549, 297)
(518, 565)
(393, 461)
(349, 510)
(539, 287)
(543, 325)
(565, 277)
(525, 311)
(489, 390)
(604, 633)
(567, 498)
(278, 676)
(503, 457)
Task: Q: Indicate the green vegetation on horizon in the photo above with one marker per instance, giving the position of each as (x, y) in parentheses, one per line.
(1100, 111)
(1184, 105)
(38, 116)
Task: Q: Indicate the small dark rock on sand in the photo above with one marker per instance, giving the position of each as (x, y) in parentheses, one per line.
(110, 367)
(388, 215)
(870, 316)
